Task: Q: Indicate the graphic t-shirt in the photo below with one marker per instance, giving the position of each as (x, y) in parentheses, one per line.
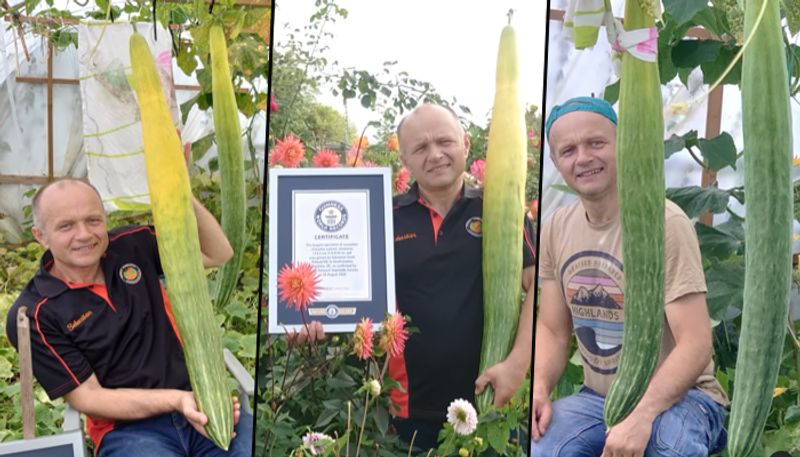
(585, 260)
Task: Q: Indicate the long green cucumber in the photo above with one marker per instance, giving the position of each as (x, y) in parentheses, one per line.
(640, 184)
(768, 230)
(503, 213)
(231, 164)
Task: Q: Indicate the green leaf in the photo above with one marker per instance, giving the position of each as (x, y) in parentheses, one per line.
(201, 146)
(672, 145)
(30, 6)
(714, 243)
(381, 417)
(666, 69)
(341, 380)
(6, 369)
(326, 417)
(732, 227)
(695, 200)
(187, 61)
(236, 309)
(792, 9)
(792, 414)
(683, 10)
(725, 283)
(611, 93)
(713, 70)
(232, 341)
(248, 345)
(498, 436)
(691, 53)
(711, 19)
(719, 152)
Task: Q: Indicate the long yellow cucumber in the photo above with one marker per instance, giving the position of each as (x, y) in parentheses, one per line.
(179, 248)
(640, 185)
(231, 163)
(503, 212)
(768, 231)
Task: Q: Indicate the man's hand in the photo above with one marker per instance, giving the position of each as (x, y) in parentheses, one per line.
(505, 378)
(541, 413)
(311, 333)
(628, 438)
(188, 407)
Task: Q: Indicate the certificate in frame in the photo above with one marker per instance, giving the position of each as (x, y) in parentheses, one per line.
(340, 221)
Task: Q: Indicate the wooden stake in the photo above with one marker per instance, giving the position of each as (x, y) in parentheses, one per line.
(25, 374)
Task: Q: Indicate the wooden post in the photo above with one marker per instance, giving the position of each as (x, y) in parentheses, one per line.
(713, 127)
(49, 110)
(25, 374)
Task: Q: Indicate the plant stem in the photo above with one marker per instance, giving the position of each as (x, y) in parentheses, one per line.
(696, 159)
(796, 350)
(411, 444)
(349, 404)
(363, 423)
(385, 367)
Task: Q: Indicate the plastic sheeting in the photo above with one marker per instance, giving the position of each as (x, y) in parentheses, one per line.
(573, 73)
(112, 132)
(23, 125)
(23, 121)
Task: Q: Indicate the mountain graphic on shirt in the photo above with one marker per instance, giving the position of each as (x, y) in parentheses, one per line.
(597, 296)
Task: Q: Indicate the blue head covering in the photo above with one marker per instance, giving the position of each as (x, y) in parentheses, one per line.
(591, 104)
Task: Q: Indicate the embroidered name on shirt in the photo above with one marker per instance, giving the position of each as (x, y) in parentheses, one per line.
(72, 325)
(405, 236)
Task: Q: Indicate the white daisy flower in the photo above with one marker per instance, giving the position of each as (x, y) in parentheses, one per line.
(462, 416)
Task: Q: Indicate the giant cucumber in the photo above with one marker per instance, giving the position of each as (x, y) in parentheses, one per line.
(503, 213)
(640, 184)
(179, 248)
(768, 230)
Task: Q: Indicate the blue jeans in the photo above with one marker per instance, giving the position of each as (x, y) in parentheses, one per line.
(692, 427)
(170, 435)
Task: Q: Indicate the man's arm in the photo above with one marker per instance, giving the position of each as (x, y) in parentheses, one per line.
(133, 404)
(690, 324)
(214, 245)
(553, 332)
(507, 376)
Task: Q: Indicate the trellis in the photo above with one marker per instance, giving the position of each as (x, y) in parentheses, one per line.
(50, 81)
(713, 109)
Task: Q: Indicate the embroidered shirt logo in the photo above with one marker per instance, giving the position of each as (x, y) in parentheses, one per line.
(405, 236)
(130, 273)
(72, 325)
(473, 226)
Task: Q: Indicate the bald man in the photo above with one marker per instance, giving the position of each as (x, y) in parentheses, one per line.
(439, 280)
(102, 329)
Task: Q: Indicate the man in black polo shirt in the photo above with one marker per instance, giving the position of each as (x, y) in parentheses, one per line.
(439, 281)
(102, 331)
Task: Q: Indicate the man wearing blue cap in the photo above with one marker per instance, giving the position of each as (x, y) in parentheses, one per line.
(582, 288)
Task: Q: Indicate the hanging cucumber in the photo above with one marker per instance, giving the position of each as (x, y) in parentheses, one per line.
(640, 185)
(768, 231)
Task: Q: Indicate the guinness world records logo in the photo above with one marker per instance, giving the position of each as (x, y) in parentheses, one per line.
(330, 216)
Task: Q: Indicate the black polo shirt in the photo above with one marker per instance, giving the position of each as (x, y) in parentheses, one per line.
(122, 332)
(438, 278)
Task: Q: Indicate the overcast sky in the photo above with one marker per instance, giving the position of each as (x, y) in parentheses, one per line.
(450, 43)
